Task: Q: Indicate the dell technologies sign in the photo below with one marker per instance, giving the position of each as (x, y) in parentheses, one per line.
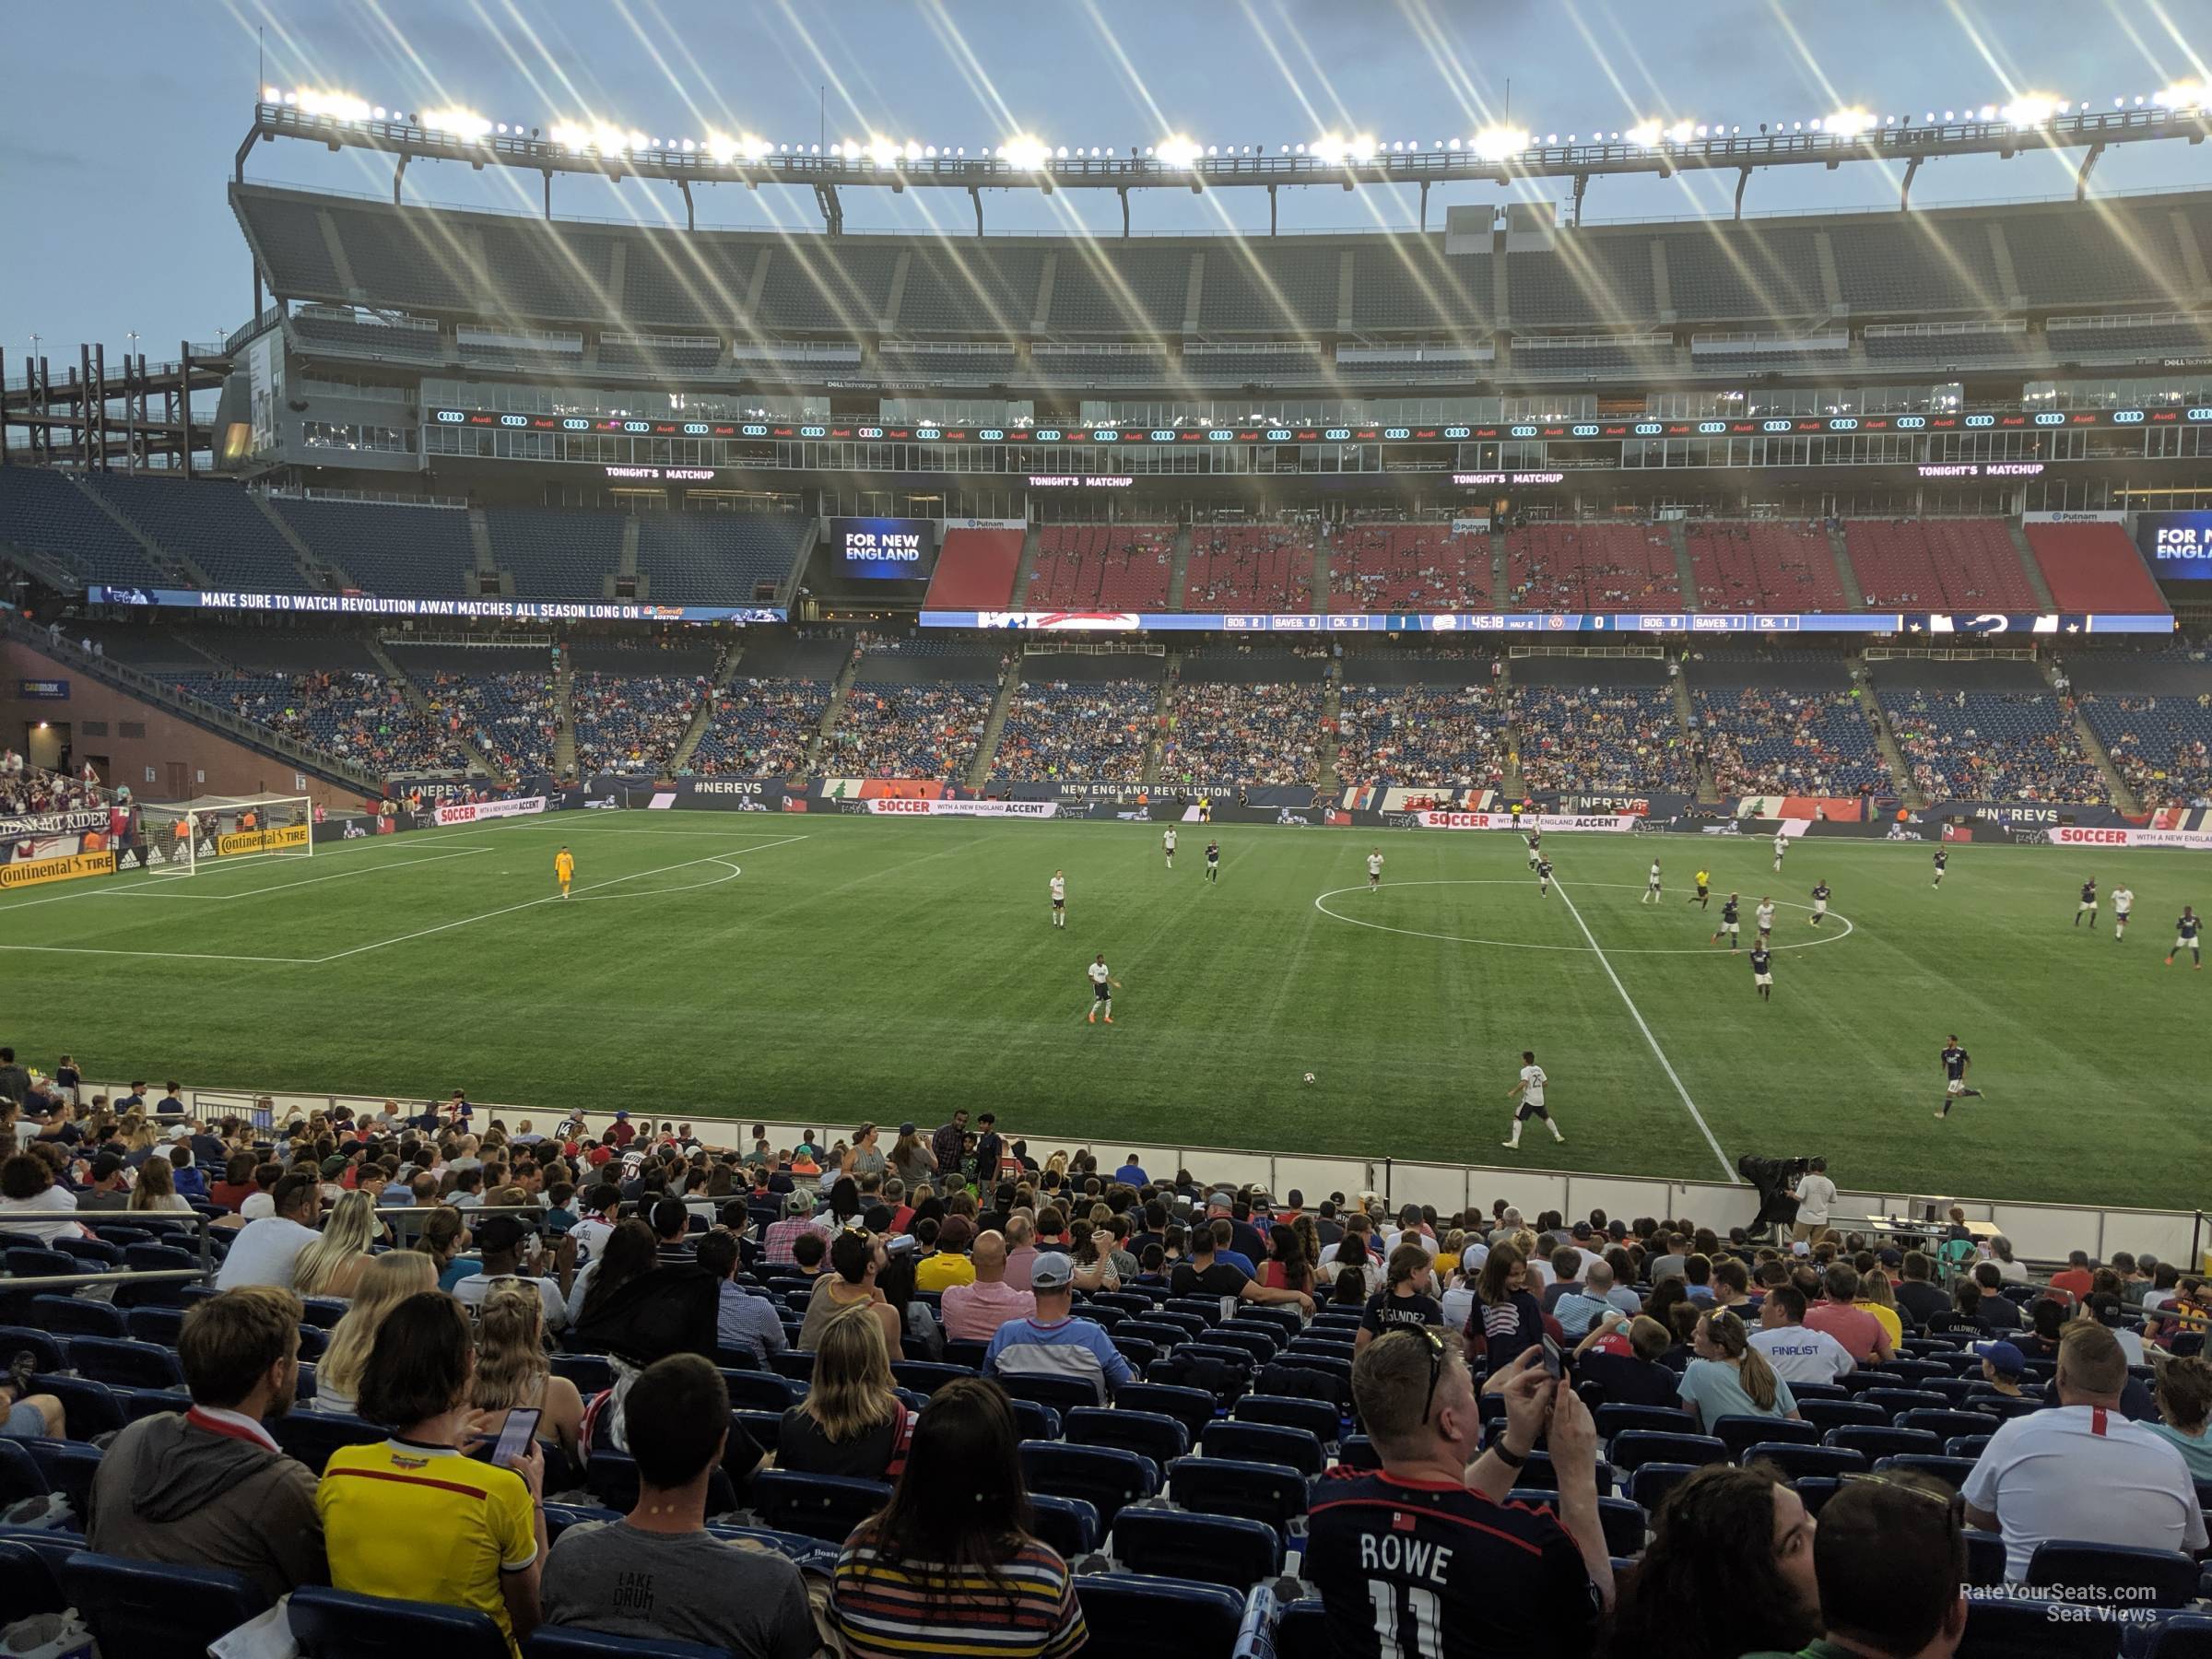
(2179, 545)
(884, 549)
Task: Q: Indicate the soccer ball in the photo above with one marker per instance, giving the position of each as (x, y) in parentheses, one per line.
(1309, 1077)
(1956, 1087)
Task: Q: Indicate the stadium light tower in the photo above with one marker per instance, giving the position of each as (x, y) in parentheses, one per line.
(1500, 155)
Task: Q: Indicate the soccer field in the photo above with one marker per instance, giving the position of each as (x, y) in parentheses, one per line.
(839, 968)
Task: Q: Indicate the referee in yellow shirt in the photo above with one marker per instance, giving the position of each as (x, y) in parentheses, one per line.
(564, 870)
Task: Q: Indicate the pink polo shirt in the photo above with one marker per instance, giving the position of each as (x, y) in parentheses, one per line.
(1855, 1328)
(973, 1313)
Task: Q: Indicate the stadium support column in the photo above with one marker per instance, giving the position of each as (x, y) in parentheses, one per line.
(1582, 189)
(1123, 191)
(548, 192)
(1424, 205)
(833, 211)
(683, 188)
(2081, 179)
(398, 172)
(1743, 177)
(1271, 210)
(1904, 194)
(976, 196)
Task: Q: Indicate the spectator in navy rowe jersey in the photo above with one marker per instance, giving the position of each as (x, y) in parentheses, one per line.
(1411, 1556)
(1051, 1344)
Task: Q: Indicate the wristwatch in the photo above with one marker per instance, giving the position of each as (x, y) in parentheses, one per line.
(1506, 1455)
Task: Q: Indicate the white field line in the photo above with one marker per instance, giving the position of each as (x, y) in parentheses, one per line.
(550, 899)
(172, 891)
(1689, 1105)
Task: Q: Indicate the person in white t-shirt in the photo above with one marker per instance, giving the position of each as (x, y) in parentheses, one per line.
(1781, 848)
(1530, 1092)
(2123, 900)
(1797, 1352)
(1374, 870)
(1166, 845)
(2081, 1470)
(1814, 1194)
(1059, 899)
(265, 1252)
(599, 1222)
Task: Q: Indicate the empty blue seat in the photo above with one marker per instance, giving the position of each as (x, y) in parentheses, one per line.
(20, 1476)
(323, 1311)
(1035, 1422)
(312, 1436)
(2028, 1627)
(549, 1641)
(1206, 1310)
(1258, 1343)
(1317, 1417)
(2114, 1575)
(2185, 1636)
(69, 1468)
(797, 1364)
(1739, 1433)
(1302, 1631)
(1622, 1518)
(1634, 1446)
(46, 1354)
(29, 1585)
(926, 1376)
(89, 1409)
(1871, 1441)
(1648, 1485)
(1058, 1394)
(1148, 1433)
(1264, 1442)
(337, 1624)
(763, 1391)
(1945, 1425)
(72, 1316)
(1972, 1445)
(1284, 1321)
(35, 1261)
(1129, 1612)
(90, 1254)
(1356, 1452)
(968, 1355)
(163, 1325)
(591, 1373)
(1664, 1419)
(124, 1363)
(822, 1506)
(1069, 1525)
(1896, 1402)
(1107, 1477)
(1274, 1493)
(612, 1477)
(1230, 1551)
(1951, 1471)
(1193, 1407)
(162, 1612)
(1798, 1461)
(559, 1517)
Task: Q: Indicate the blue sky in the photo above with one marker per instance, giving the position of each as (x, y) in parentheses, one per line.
(124, 115)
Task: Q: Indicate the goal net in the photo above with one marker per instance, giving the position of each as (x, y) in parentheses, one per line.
(180, 839)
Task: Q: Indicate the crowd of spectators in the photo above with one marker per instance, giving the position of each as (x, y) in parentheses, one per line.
(1086, 729)
(2161, 745)
(356, 716)
(1605, 740)
(509, 716)
(925, 730)
(762, 728)
(1408, 566)
(1778, 742)
(28, 788)
(1993, 746)
(1250, 567)
(631, 722)
(1223, 731)
(1476, 1341)
(1444, 736)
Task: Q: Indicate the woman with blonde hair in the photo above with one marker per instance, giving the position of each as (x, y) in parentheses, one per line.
(1731, 1378)
(512, 1374)
(332, 1264)
(387, 1281)
(851, 1422)
(157, 1188)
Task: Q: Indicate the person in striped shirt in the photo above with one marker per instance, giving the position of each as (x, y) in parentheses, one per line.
(951, 1564)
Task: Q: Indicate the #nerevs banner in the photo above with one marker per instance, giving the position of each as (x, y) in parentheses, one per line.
(1619, 823)
(943, 809)
(474, 812)
(2086, 835)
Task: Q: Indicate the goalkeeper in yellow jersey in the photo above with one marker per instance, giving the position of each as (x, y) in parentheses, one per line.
(564, 869)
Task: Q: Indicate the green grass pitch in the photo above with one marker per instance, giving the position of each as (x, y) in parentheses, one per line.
(838, 967)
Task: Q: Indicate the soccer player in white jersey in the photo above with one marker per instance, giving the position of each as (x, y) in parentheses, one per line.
(2123, 900)
(1529, 1091)
(1782, 846)
(1374, 870)
(1766, 917)
(1167, 845)
(1059, 899)
(1651, 893)
(1102, 987)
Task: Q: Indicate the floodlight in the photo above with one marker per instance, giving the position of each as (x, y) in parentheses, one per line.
(1176, 150)
(459, 122)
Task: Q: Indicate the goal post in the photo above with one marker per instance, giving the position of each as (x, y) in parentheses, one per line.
(185, 837)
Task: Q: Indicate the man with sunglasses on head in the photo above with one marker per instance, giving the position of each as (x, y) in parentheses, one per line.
(1411, 1558)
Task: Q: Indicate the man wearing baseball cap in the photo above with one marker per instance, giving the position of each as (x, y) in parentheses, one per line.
(1245, 1245)
(1051, 1344)
(506, 1245)
(2003, 1366)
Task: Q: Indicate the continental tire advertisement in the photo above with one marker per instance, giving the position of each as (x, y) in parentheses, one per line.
(261, 840)
(32, 871)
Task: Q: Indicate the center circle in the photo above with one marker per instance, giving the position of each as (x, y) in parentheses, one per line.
(730, 873)
(1416, 933)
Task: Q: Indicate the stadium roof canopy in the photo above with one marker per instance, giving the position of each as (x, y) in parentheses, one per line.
(1496, 158)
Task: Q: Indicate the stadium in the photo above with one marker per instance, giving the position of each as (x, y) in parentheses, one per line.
(1193, 724)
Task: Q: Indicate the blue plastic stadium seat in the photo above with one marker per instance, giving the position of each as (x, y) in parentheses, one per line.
(1739, 1433)
(926, 1376)
(1945, 1425)
(1148, 1433)
(1985, 1560)
(550, 1642)
(29, 1584)
(20, 1476)
(1056, 1393)
(46, 1354)
(612, 1477)
(822, 1506)
(1302, 1631)
(1264, 1442)
(1069, 1525)
(1951, 1471)
(1664, 1419)
(89, 1409)
(68, 1466)
(125, 1364)
(1356, 1451)
(795, 1364)
(1622, 1518)
(1228, 1550)
(1106, 1477)
(1883, 1441)
(162, 1612)
(2114, 1574)
(312, 1436)
(1261, 1344)
(1035, 1422)
(1634, 1446)
(763, 1391)
(1127, 1612)
(35, 1261)
(1648, 1485)
(337, 1624)
(2185, 1636)
(1193, 1407)
(559, 1517)
(72, 1316)
(1318, 1417)
(2030, 1628)
(163, 1325)
(1274, 1493)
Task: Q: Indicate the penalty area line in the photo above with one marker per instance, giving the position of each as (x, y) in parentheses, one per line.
(1658, 1054)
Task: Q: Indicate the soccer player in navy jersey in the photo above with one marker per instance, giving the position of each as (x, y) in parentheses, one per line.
(2088, 906)
(1762, 970)
(1942, 859)
(1954, 1061)
(1413, 1558)
(1543, 878)
(2188, 935)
